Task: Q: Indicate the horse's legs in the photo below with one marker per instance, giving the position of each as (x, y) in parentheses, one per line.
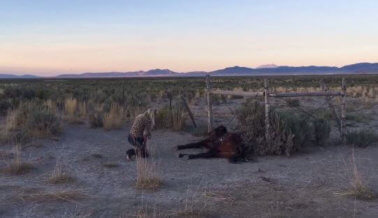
(209, 154)
(191, 145)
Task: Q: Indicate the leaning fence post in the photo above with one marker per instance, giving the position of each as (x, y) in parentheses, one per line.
(342, 120)
(209, 106)
(188, 110)
(267, 123)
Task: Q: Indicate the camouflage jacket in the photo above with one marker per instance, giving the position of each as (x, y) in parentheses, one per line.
(141, 126)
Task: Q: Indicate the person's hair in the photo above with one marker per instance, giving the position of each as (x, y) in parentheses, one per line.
(150, 113)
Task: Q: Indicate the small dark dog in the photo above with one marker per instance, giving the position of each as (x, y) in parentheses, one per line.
(131, 154)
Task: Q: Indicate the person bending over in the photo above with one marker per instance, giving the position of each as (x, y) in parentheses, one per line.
(139, 133)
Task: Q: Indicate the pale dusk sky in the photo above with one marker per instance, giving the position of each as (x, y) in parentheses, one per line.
(73, 36)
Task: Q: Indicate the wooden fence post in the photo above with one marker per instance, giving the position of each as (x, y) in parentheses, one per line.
(170, 97)
(267, 122)
(209, 106)
(343, 115)
(188, 110)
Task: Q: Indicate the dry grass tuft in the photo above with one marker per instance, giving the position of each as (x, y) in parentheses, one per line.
(114, 119)
(147, 175)
(70, 106)
(146, 213)
(194, 206)
(60, 176)
(110, 165)
(61, 196)
(75, 112)
(358, 189)
(190, 214)
(360, 192)
(16, 166)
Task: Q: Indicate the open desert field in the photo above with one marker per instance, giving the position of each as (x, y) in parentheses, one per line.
(63, 145)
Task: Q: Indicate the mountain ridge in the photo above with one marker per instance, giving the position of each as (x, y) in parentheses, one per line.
(358, 68)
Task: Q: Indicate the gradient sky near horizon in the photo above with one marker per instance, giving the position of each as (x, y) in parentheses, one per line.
(72, 36)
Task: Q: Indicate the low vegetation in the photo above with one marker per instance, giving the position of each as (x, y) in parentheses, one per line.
(110, 165)
(361, 138)
(109, 103)
(60, 176)
(29, 121)
(16, 166)
(358, 190)
(174, 118)
(289, 130)
(39, 196)
(114, 119)
(147, 175)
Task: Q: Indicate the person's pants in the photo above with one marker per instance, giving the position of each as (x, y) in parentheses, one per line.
(140, 146)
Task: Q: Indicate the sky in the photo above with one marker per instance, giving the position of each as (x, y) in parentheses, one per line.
(51, 37)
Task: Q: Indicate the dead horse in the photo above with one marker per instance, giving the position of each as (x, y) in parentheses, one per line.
(220, 144)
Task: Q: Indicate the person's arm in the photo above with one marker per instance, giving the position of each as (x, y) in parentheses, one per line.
(147, 131)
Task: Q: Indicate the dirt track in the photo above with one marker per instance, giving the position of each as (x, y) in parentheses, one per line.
(303, 185)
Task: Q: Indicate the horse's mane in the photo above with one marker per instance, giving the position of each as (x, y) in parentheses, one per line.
(217, 132)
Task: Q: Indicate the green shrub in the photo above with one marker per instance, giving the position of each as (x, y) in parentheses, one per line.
(288, 131)
(293, 102)
(359, 118)
(175, 119)
(4, 106)
(163, 119)
(298, 124)
(96, 120)
(251, 117)
(43, 123)
(31, 120)
(361, 138)
(322, 130)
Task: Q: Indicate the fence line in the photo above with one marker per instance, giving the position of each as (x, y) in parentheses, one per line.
(267, 95)
(276, 95)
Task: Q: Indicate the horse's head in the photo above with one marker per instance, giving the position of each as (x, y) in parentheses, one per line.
(218, 132)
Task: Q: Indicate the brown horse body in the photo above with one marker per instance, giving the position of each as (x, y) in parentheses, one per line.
(220, 144)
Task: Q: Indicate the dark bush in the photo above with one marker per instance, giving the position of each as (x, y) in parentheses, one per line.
(163, 119)
(251, 117)
(288, 131)
(175, 119)
(361, 138)
(322, 130)
(293, 102)
(43, 123)
(96, 120)
(4, 106)
(33, 121)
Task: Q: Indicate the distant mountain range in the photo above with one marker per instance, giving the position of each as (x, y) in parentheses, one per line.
(11, 76)
(271, 69)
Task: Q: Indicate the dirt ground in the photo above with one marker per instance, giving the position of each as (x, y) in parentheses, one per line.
(311, 183)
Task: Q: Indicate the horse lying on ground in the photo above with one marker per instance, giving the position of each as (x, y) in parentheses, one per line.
(220, 144)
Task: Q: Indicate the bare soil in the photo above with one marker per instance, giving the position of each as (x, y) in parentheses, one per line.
(308, 184)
